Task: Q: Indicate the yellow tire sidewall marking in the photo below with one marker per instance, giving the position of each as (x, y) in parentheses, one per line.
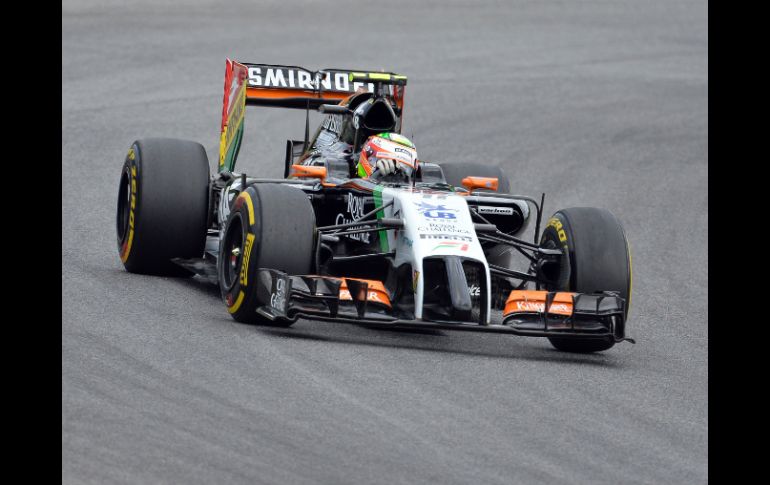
(249, 205)
(238, 302)
(244, 277)
(131, 216)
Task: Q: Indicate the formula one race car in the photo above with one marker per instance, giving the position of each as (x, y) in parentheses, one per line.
(339, 238)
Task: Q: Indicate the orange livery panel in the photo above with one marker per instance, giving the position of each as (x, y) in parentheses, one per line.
(531, 301)
(376, 291)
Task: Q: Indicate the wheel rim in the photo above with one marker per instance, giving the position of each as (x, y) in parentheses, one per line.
(232, 255)
(124, 206)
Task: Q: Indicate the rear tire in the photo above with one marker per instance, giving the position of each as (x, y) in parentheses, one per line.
(454, 173)
(598, 259)
(270, 226)
(162, 205)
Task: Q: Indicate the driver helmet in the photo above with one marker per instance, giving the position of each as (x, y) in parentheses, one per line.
(391, 146)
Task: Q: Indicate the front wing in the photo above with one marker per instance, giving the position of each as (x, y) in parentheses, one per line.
(349, 300)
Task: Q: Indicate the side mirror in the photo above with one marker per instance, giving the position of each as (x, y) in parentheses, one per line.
(308, 171)
(473, 183)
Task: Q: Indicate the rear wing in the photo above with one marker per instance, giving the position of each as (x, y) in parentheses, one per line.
(290, 87)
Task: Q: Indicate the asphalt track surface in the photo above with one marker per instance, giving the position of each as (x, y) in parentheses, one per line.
(596, 103)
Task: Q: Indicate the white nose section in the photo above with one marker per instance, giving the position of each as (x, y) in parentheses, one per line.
(435, 224)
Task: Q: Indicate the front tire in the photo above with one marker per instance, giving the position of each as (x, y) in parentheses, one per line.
(597, 259)
(270, 226)
(162, 205)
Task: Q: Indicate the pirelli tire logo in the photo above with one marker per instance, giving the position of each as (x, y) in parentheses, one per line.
(559, 228)
(128, 241)
(244, 274)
